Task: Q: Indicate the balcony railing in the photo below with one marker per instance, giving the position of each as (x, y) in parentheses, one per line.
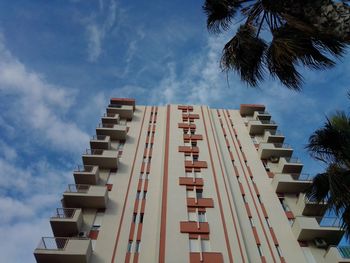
(110, 115)
(304, 177)
(267, 122)
(292, 160)
(282, 145)
(99, 137)
(94, 151)
(78, 188)
(344, 251)
(263, 112)
(329, 221)
(275, 132)
(64, 213)
(84, 168)
(53, 243)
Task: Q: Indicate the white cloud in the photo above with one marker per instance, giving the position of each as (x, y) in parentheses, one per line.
(97, 32)
(37, 107)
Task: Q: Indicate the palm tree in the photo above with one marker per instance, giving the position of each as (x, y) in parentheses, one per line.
(331, 145)
(309, 33)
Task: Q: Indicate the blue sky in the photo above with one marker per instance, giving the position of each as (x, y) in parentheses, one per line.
(60, 62)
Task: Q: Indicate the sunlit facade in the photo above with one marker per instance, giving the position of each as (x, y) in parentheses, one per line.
(186, 183)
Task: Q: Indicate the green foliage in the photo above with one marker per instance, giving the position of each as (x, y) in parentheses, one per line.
(309, 33)
(331, 145)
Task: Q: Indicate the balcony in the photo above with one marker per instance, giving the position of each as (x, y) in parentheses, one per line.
(307, 207)
(286, 183)
(110, 118)
(61, 249)
(249, 109)
(308, 228)
(124, 111)
(340, 254)
(85, 196)
(101, 158)
(262, 115)
(114, 131)
(256, 127)
(66, 222)
(290, 165)
(100, 142)
(123, 101)
(88, 174)
(274, 150)
(273, 136)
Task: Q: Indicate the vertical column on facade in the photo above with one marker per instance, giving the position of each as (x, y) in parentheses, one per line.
(197, 226)
(248, 182)
(135, 232)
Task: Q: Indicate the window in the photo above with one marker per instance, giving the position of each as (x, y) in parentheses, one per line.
(188, 158)
(201, 217)
(195, 158)
(251, 222)
(141, 218)
(268, 222)
(284, 205)
(205, 245)
(190, 194)
(194, 143)
(134, 218)
(199, 193)
(194, 245)
(260, 251)
(192, 217)
(197, 174)
(137, 195)
(144, 194)
(97, 221)
(279, 250)
(137, 248)
(193, 132)
(129, 246)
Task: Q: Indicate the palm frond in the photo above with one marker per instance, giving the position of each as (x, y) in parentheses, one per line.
(318, 191)
(244, 54)
(220, 14)
(281, 59)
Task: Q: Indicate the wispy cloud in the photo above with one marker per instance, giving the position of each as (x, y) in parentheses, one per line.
(98, 31)
(37, 106)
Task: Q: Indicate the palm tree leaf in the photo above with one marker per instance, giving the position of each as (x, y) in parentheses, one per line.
(280, 59)
(220, 13)
(318, 191)
(244, 54)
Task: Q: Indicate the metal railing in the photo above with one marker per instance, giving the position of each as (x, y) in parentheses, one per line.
(84, 168)
(106, 125)
(292, 159)
(330, 221)
(344, 251)
(263, 112)
(305, 177)
(274, 132)
(78, 188)
(267, 122)
(115, 105)
(94, 151)
(282, 145)
(111, 115)
(53, 243)
(64, 213)
(99, 137)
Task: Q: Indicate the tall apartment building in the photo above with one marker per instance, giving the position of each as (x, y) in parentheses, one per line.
(185, 183)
